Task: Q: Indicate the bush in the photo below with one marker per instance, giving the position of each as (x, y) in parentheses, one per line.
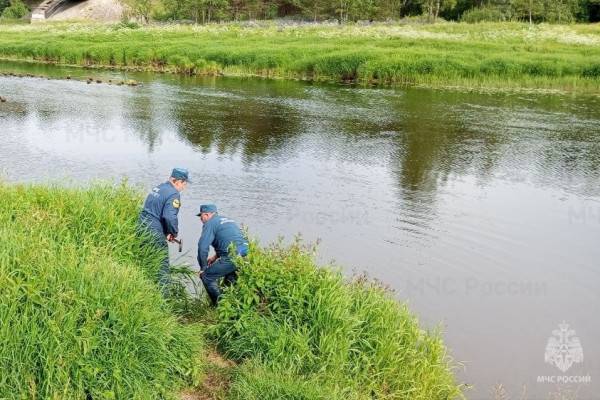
(483, 14)
(349, 340)
(81, 316)
(592, 71)
(3, 5)
(16, 10)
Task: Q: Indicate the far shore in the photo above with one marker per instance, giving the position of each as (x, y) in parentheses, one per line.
(485, 55)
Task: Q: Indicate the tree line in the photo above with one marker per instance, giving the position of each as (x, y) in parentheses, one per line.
(205, 11)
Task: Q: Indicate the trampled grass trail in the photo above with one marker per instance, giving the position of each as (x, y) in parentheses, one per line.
(503, 55)
(82, 317)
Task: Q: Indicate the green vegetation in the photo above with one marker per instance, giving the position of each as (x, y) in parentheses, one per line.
(13, 9)
(312, 335)
(83, 317)
(471, 55)
(559, 11)
(482, 14)
(80, 316)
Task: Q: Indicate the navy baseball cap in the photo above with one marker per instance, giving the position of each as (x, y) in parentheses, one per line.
(181, 174)
(207, 208)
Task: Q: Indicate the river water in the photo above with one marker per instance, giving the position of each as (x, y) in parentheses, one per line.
(481, 210)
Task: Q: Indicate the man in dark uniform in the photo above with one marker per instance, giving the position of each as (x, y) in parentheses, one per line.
(220, 233)
(159, 217)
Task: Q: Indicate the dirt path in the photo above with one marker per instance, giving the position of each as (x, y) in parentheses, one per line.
(215, 383)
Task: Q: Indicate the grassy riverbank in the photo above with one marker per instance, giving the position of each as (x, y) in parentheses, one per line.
(449, 54)
(83, 318)
(80, 316)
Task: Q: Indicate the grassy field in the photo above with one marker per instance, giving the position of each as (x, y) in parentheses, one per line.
(512, 55)
(83, 318)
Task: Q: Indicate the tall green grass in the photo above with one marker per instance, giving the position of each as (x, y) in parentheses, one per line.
(305, 333)
(81, 315)
(486, 54)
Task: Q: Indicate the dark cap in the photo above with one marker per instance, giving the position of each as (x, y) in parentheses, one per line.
(207, 208)
(181, 174)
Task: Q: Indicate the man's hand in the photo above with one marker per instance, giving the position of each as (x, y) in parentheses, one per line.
(170, 237)
(212, 259)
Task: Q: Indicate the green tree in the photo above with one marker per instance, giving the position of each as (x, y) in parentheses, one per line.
(16, 10)
(343, 10)
(141, 9)
(363, 9)
(528, 9)
(195, 9)
(433, 8)
(3, 5)
(561, 11)
(314, 9)
(213, 9)
(202, 11)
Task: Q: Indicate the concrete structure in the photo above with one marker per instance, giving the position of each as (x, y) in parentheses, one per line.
(79, 10)
(45, 10)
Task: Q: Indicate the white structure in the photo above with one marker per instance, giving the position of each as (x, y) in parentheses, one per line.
(44, 10)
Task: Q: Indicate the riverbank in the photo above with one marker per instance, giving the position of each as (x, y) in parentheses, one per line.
(88, 321)
(504, 55)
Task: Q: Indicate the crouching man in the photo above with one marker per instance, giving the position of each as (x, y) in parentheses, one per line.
(220, 233)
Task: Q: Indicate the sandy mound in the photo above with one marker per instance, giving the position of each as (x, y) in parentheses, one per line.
(97, 10)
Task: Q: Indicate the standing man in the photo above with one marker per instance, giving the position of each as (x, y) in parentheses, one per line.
(159, 217)
(220, 233)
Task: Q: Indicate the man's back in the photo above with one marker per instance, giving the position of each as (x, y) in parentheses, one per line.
(161, 208)
(220, 232)
(227, 232)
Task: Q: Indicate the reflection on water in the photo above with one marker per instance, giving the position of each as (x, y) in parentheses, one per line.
(482, 211)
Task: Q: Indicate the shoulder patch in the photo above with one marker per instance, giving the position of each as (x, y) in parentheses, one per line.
(176, 203)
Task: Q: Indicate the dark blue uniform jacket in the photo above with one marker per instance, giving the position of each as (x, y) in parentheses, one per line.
(220, 232)
(160, 210)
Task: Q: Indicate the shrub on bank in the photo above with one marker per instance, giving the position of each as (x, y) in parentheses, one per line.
(312, 335)
(16, 10)
(81, 316)
(483, 14)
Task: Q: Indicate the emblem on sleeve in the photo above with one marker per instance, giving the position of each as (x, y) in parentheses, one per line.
(176, 203)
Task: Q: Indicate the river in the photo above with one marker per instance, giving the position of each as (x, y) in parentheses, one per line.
(481, 210)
